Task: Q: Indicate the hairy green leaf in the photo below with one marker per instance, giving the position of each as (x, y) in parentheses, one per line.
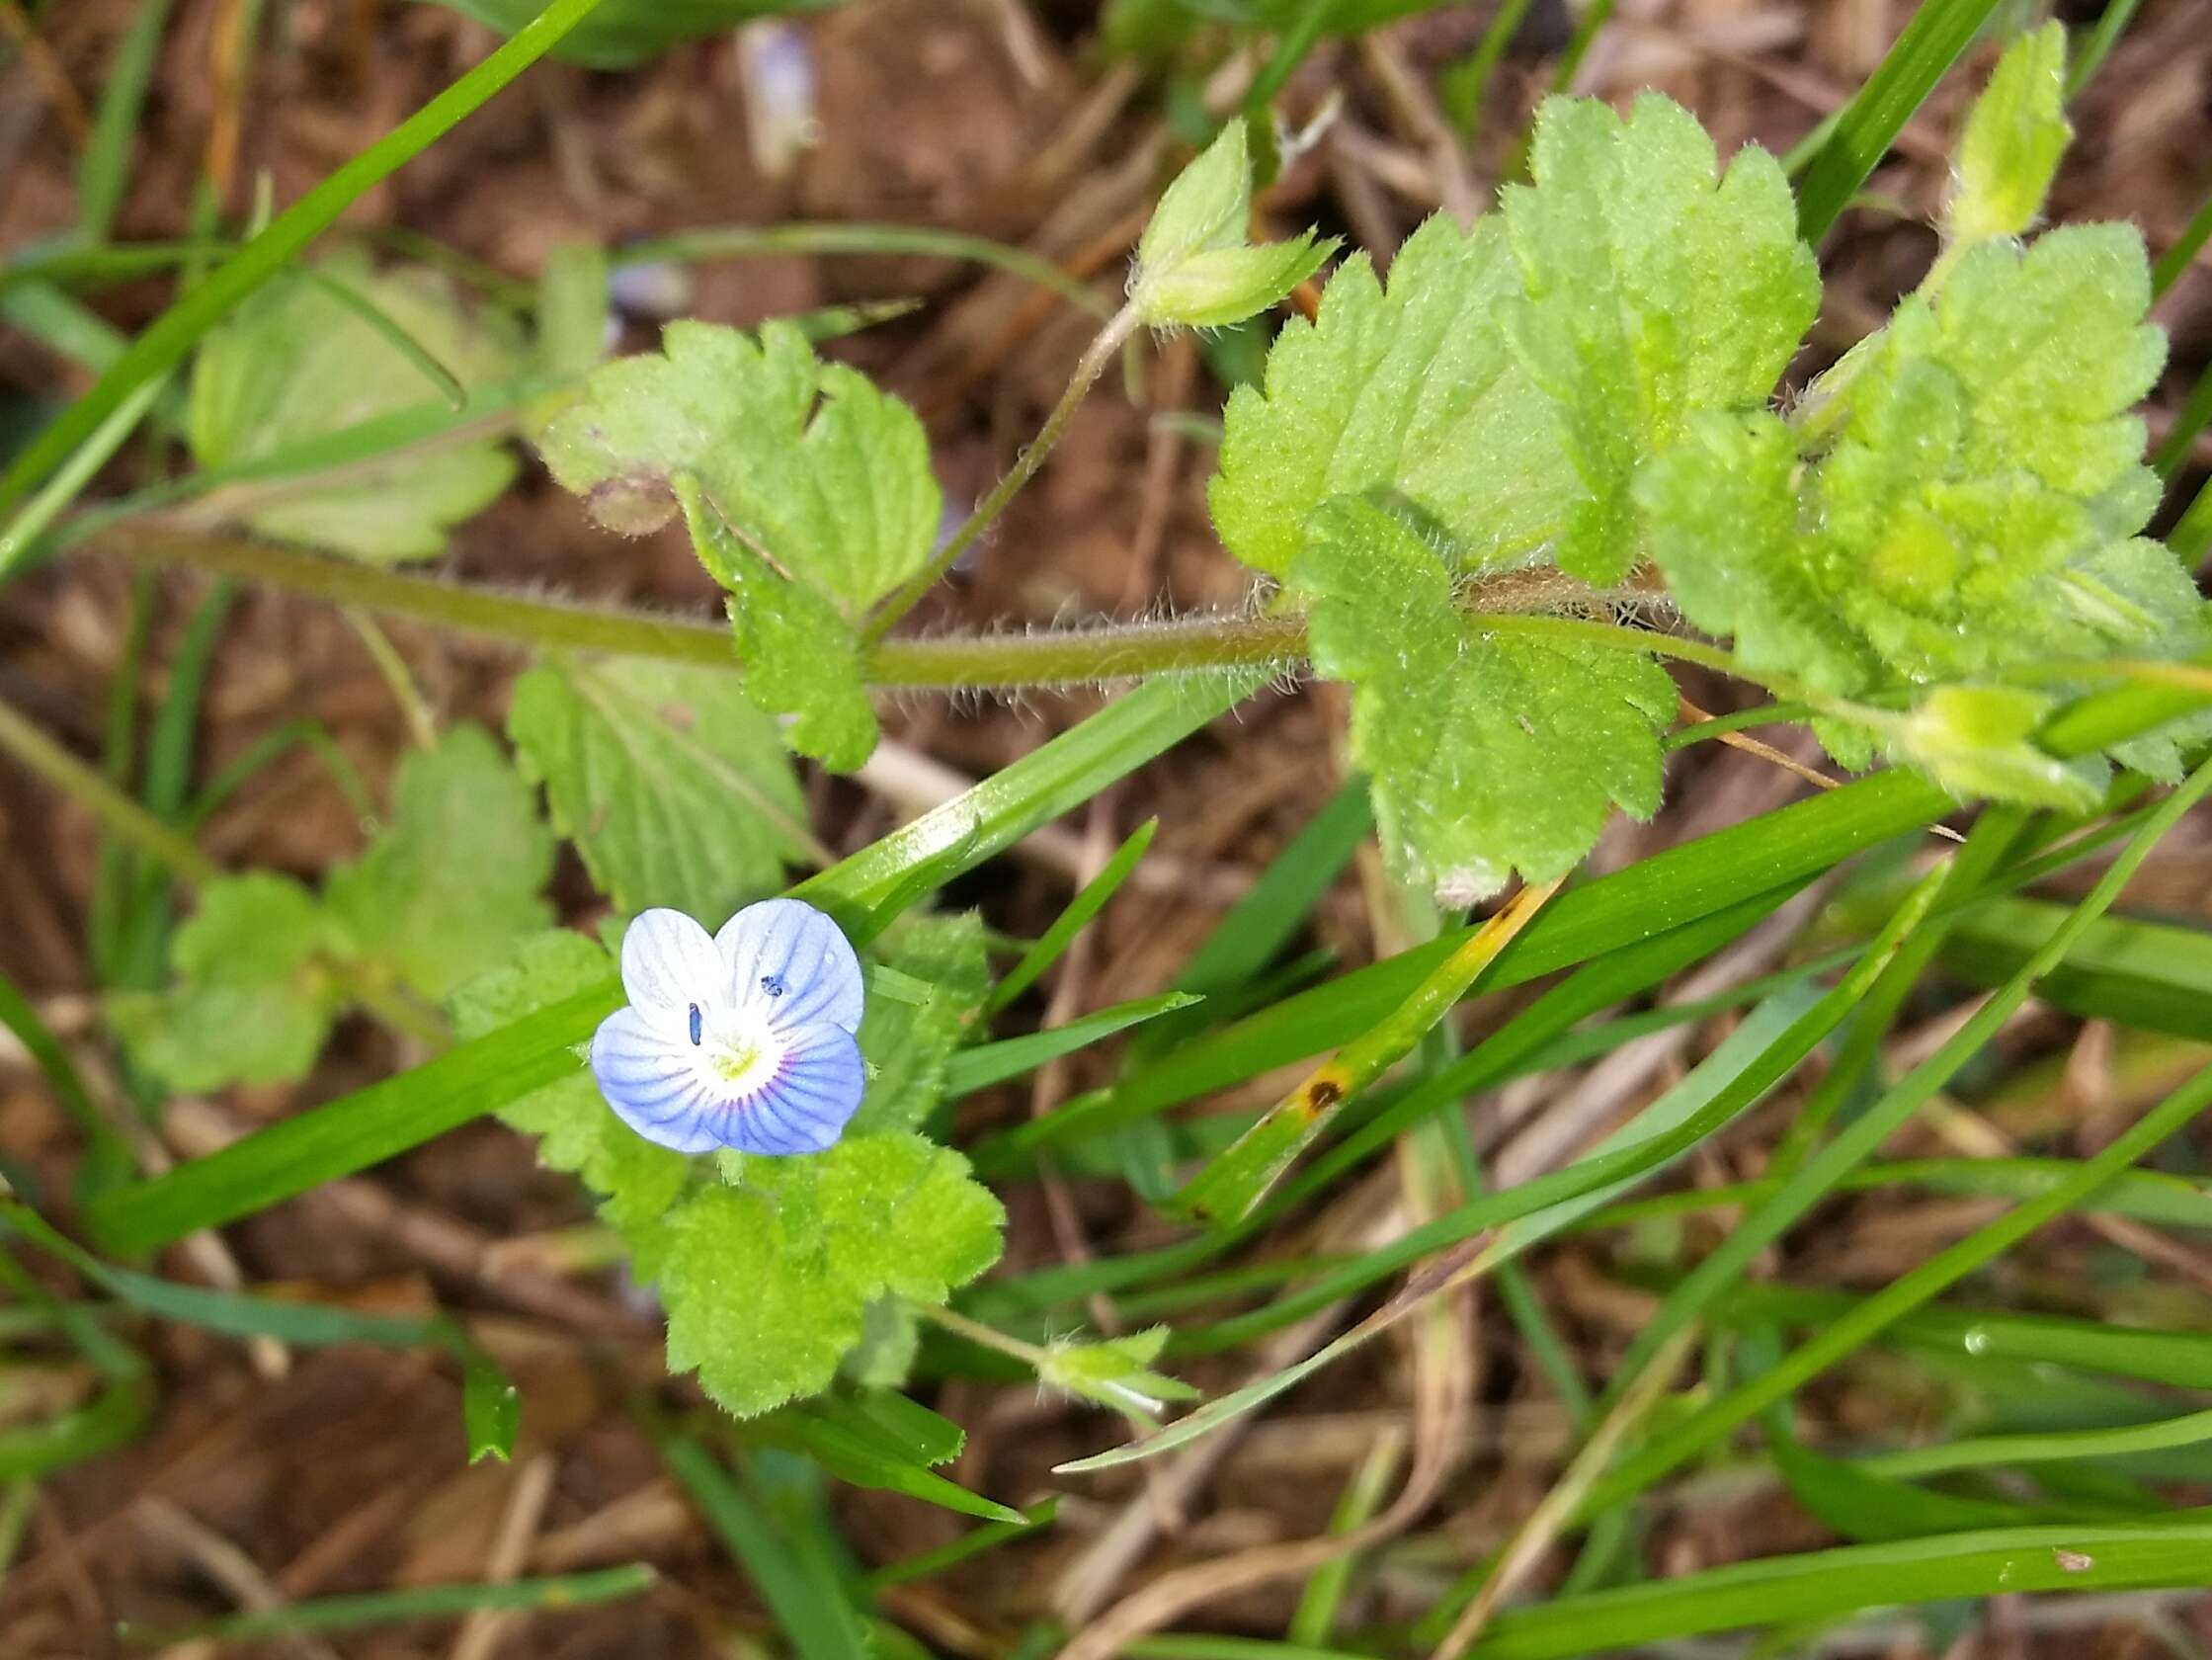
(576, 1130)
(254, 996)
(1487, 751)
(767, 1281)
(1652, 292)
(295, 361)
(2013, 139)
(456, 877)
(1970, 504)
(1409, 393)
(674, 786)
(1196, 266)
(807, 491)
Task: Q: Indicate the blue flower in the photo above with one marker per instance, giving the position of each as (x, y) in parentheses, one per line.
(742, 1041)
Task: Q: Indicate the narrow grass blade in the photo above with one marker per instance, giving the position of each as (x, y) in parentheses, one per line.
(1464, 86)
(1939, 31)
(2180, 439)
(352, 1133)
(1254, 930)
(1921, 1284)
(1227, 1190)
(1050, 780)
(1055, 940)
(62, 325)
(973, 1542)
(2143, 1195)
(104, 170)
(489, 1404)
(1318, 1605)
(393, 333)
(389, 1608)
(2077, 1558)
(2191, 1429)
(1977, 1335)
(815, 1617)
(2179, 258)
(105, 1147)
(1588, 1175)
(2155, 976)
(165, 341)
(992, 1063)
(2090, 56)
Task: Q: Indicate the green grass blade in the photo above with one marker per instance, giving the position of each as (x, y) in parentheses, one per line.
(992, 1063)
(1256, 928)
(2142, 1195)
(1055, 940)
(2155, 976)
(352, 1133)
(104, 1144)
(1869, 123)
(2180, 439)
(1050, 781)
(1464, 86)
(975, 1543)
(817, 1619)
(2077, 1558)
(1667, 891)
(389, 1608)
(1225, 1191)
(104, 170)
(1866, 1132)
(2056, 1445)
(389, 328)
(2093, 52)
(62, 325)
(1981, 1335)
(165, 341)
(2179, 258)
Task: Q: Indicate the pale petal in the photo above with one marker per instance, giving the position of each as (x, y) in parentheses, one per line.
(652, 1085)
(668, 963)
(806, 1106)
(787, 957)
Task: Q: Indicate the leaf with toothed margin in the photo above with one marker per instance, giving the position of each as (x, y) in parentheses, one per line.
(1956, 501)
(254, 994)
(675, 788)
(767, 1281)
(1196, 267)
(806, 489)
(1654, 286)
(1488, 752)
(1408, 392)
(636, 1180)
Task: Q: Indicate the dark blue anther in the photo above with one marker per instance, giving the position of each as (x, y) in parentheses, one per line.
(695, 1033)
(773, 984)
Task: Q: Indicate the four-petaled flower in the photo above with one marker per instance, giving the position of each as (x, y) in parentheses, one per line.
(742, 1041)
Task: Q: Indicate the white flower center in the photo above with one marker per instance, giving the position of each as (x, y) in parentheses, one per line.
(737, 1054)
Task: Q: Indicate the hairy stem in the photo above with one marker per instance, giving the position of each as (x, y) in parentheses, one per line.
(1053, 657)
(1096, 357)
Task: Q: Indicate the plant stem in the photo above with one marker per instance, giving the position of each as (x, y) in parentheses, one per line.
(983, 1336)
(1054, 657)
(122, 815)
(1096, 357)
